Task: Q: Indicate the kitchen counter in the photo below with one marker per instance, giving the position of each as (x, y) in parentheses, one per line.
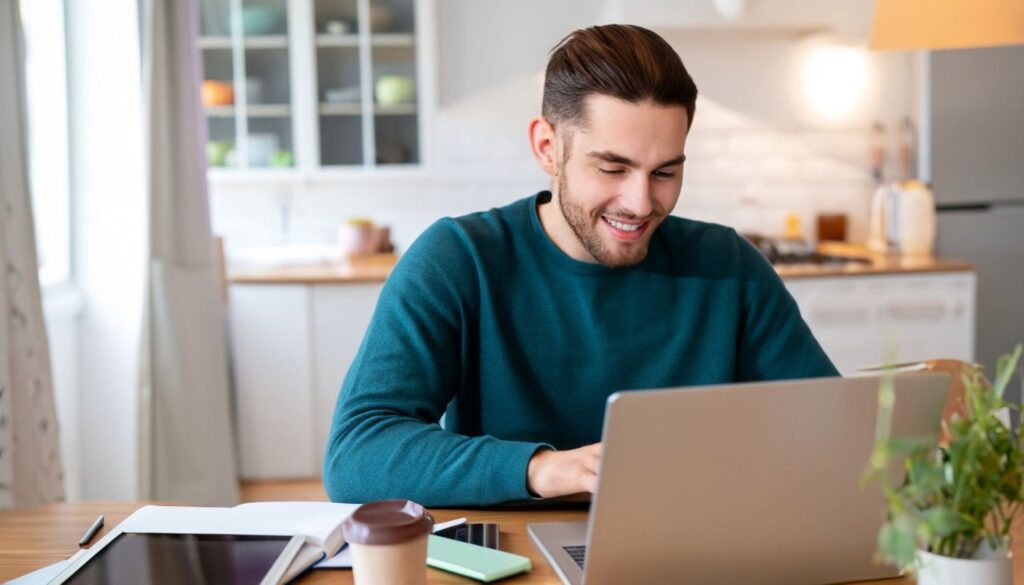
(865, 262)
(377, 268)
(369, 269)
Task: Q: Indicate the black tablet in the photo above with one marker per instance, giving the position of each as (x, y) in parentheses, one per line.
(180, 559)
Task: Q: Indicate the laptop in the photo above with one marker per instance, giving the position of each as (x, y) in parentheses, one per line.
(746, 483)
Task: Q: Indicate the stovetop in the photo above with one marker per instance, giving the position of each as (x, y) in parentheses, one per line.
(786, 252)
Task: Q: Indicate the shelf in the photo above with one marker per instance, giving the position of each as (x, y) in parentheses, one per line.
(393, 40)
(255, 111)
(260, 42)
(395, 110)
(301, 65)
(337, 40)
(340, 109)
(379, 40)
(354, 109)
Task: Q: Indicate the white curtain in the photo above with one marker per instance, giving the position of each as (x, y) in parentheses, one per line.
(187, 442)
(30, 462)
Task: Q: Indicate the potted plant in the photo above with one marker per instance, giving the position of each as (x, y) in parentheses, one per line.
(949, 519)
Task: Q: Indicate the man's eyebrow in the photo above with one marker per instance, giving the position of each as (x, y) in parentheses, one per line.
(618, 159)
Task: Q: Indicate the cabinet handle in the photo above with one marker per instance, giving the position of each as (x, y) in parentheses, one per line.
(823, 316)
(916, 311)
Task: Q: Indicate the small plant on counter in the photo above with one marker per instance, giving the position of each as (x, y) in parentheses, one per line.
(957, 500)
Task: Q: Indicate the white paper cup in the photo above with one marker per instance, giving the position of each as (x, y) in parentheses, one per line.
(390, 564)
(389, 543)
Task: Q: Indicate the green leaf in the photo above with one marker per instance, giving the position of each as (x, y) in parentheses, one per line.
(943, 521)
(897, 542)
(905, 445)
(1006, 367)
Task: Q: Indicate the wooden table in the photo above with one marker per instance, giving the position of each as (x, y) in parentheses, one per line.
(30, 539)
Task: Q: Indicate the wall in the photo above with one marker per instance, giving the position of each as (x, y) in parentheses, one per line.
(757, 150)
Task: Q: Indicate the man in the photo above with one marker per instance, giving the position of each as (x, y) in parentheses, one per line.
(521, 321)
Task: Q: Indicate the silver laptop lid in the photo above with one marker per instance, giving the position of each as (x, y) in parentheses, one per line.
(751, 483)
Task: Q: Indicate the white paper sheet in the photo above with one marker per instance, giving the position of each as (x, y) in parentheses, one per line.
(318, 521)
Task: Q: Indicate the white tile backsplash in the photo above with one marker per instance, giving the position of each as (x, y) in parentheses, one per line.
(754, 156)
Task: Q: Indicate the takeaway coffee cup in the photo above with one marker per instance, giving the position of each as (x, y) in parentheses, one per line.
(389, 542)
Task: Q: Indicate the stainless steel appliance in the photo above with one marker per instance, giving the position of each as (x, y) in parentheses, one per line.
(977, 167)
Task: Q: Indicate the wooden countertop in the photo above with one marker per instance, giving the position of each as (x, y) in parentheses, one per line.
(367, 269)
(876, 264)
(376, 269)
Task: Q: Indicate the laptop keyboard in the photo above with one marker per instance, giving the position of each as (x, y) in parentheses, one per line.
(578, 553)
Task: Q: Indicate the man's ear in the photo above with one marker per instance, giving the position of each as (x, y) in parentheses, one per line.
(543, 142)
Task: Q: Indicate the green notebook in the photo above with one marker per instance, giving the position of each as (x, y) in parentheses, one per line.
(476, 562)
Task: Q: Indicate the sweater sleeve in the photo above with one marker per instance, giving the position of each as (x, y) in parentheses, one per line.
(775, 341)
(385, 439)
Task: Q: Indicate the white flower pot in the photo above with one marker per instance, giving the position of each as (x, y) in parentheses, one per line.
(939, 570)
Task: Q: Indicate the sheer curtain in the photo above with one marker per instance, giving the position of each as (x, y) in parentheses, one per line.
(187, 442)
(30, 461)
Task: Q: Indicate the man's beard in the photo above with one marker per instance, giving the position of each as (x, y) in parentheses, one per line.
(586, 232)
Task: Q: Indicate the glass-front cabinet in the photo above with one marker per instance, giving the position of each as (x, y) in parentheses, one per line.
(312, 84)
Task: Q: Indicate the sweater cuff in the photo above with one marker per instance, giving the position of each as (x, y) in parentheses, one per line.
(511, 467)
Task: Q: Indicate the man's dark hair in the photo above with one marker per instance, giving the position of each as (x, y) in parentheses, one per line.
(621, 61)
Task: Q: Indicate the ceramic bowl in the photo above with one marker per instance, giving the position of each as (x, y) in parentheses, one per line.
(260, 20)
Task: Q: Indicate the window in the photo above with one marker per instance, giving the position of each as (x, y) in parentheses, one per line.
(46, 96)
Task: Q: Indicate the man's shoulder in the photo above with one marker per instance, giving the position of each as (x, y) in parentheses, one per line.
(685, 230)
(498, 223)
(465, 235)
(710, 250)
(462, 239)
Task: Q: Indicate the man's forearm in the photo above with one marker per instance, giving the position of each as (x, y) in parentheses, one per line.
(381, 456)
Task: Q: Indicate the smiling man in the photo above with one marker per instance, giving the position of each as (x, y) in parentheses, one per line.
(519, 322)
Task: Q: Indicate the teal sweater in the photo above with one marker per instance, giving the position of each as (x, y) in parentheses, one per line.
(486, 319)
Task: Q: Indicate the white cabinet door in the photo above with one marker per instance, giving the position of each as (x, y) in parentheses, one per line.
(271, 351)
(923, 316)
(341, 314)
(841, 314)
(930, 316)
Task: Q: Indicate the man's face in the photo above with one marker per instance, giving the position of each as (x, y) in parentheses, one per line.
(622, 176)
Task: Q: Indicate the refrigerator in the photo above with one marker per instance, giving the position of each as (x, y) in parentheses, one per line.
(977, 170)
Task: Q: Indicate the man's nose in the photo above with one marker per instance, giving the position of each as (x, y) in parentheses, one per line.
(636, 196)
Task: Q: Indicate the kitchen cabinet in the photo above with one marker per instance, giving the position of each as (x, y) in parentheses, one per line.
(311, 87)
(270, 334)
(293, 343)
(920, 316)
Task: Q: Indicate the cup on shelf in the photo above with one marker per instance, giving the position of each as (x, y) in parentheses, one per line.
(217, 153)
(389, 542)
(262, 148)
(216, 93)
(337, 27)
(260, 20)
(395, 89)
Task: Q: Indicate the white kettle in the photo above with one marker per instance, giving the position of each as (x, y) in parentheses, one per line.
(903, 219)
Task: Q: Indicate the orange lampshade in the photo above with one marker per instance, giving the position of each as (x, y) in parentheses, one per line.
(947, 24)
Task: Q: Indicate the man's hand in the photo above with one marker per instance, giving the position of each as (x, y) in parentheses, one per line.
(561, 473)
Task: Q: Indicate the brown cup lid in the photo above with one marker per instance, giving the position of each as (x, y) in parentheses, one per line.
(387, 522)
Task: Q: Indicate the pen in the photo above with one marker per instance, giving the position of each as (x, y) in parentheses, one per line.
(92, 531)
